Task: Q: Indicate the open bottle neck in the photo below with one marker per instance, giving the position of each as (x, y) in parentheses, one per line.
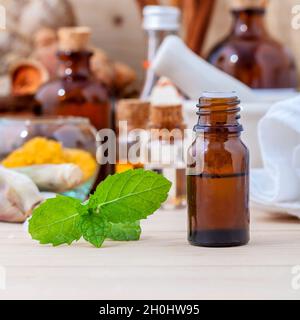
(219, 116)
(249, 22)
(74, 65)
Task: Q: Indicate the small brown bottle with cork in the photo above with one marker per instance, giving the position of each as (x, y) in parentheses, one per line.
(218, 175)
(166, 150)
(75, 92)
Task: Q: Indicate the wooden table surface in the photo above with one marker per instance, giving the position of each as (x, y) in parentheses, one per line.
(162, 265)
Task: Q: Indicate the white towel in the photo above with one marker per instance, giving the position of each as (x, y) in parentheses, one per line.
(277, 186)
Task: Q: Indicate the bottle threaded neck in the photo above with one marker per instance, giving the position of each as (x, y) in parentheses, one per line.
(217, 101)
(219, 112)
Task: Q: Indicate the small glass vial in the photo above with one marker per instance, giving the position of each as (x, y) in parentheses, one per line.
(132, 120)
(218, 175)
(166, 151)
(159, 22)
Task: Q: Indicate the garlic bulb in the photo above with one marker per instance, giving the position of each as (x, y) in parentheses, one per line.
(53, 177)
(18, 196)
(24, 19)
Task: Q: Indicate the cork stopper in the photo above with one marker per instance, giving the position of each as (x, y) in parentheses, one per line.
(135, 112)
(249, 4)
(168, 117)
(74, 38)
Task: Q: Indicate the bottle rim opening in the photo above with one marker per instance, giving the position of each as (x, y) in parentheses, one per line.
(219, 94)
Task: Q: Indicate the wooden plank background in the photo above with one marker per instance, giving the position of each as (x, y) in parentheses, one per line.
(117, 27)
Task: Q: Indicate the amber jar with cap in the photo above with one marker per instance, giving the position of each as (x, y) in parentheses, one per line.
(218, 175)
(132, 117)
(75, 92)
(250, 54)
(166, 150)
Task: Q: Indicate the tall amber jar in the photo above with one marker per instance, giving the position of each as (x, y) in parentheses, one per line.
(218, 175)
(75, 92)
(250, 54)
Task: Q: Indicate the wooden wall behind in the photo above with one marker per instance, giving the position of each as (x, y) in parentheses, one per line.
(117, 27)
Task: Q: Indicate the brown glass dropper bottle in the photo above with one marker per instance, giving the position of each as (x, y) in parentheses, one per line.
(218, 175)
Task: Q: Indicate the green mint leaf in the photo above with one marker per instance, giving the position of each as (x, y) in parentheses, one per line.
(130, 196)
(113, 211)
(94, 229)
(125, 231)
(56, 221)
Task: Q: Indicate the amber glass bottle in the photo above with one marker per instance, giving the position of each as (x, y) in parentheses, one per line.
(218, 175)
(250, 54)
(75, 92)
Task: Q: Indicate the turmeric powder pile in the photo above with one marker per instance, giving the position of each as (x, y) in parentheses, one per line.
(44, 151)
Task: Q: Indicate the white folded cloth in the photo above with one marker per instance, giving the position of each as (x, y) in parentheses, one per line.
(277, 185)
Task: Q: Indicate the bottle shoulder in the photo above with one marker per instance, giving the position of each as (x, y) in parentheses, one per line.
(64, 89)
(258, 63)
(207, 143)
(219, 155)
(259, 49)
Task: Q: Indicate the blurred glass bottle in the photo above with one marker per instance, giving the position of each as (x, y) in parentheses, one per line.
(250, 54)
(132, 120)
(159, 22)
(75, 92)
(166, 150)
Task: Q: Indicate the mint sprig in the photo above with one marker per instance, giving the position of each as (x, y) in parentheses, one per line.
(113, 211)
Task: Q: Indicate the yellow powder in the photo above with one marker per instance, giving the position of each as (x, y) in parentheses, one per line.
(44, 151)
(35, 151)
